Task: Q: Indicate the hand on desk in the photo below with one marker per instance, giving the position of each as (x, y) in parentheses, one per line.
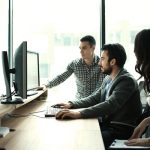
(135, 139)
(62, 105)
(138, 142)
(67, 114)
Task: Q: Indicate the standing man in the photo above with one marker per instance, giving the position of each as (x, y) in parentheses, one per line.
(86, 70)
(117, 101)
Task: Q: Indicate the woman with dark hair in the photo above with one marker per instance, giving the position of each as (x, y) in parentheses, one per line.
(142, 53)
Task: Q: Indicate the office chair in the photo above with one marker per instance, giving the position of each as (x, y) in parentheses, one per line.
(145, 113)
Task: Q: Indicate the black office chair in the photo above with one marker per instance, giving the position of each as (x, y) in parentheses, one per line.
(130, 128)
(145, 111)
(145, 114)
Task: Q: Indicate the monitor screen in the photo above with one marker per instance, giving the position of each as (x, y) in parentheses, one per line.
(32, 70)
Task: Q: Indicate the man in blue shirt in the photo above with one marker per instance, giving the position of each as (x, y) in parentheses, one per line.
(86, 70)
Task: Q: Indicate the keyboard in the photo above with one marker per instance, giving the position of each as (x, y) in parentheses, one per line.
(51, 111)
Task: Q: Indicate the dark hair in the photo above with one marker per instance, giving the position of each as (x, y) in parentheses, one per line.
(88, 38)
(116, 51)
(142, 52)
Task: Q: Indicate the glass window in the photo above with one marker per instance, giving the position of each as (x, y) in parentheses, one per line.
(3, 38)
(124, 18)
(53, 28)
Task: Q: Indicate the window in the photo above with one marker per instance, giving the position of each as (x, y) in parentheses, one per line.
(124, 18)
(53, 28)
(3, 38)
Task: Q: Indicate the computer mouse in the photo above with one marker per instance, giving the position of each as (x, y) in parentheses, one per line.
(56, 106)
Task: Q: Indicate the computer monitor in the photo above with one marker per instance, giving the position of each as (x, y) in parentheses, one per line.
(26, 73)
(6, 73)
(20, 64)
(33, 77)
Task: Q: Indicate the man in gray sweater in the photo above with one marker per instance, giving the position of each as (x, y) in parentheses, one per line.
(117, 101)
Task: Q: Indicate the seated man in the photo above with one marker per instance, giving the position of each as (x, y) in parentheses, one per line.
(118, 99)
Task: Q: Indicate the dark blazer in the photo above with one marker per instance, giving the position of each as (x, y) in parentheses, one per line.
(122, 104)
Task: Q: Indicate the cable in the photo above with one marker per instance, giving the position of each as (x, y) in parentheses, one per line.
(17, 115)
(4, 96)
(38, 116)
(37, 112)
(26, 115)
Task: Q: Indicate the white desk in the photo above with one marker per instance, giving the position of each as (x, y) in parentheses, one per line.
(35, 133)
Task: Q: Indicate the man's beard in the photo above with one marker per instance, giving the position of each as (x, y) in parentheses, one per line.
(107, 71)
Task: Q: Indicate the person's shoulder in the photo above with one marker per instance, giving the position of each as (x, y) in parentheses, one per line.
(77, 61)
(126, 77)
(126, 74)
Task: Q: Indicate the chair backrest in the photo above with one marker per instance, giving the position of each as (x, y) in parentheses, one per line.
(143, 94)
(145, 113)
(145, 105)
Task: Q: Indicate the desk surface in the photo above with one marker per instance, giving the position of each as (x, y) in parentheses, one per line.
(6, 108)
(39, 133)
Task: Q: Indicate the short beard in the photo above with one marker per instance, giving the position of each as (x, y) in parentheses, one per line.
(108, 71)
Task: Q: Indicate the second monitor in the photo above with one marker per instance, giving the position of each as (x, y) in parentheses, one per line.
(27, 76)
(33, 74)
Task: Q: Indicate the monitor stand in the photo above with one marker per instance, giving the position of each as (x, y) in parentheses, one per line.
(14, 100)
